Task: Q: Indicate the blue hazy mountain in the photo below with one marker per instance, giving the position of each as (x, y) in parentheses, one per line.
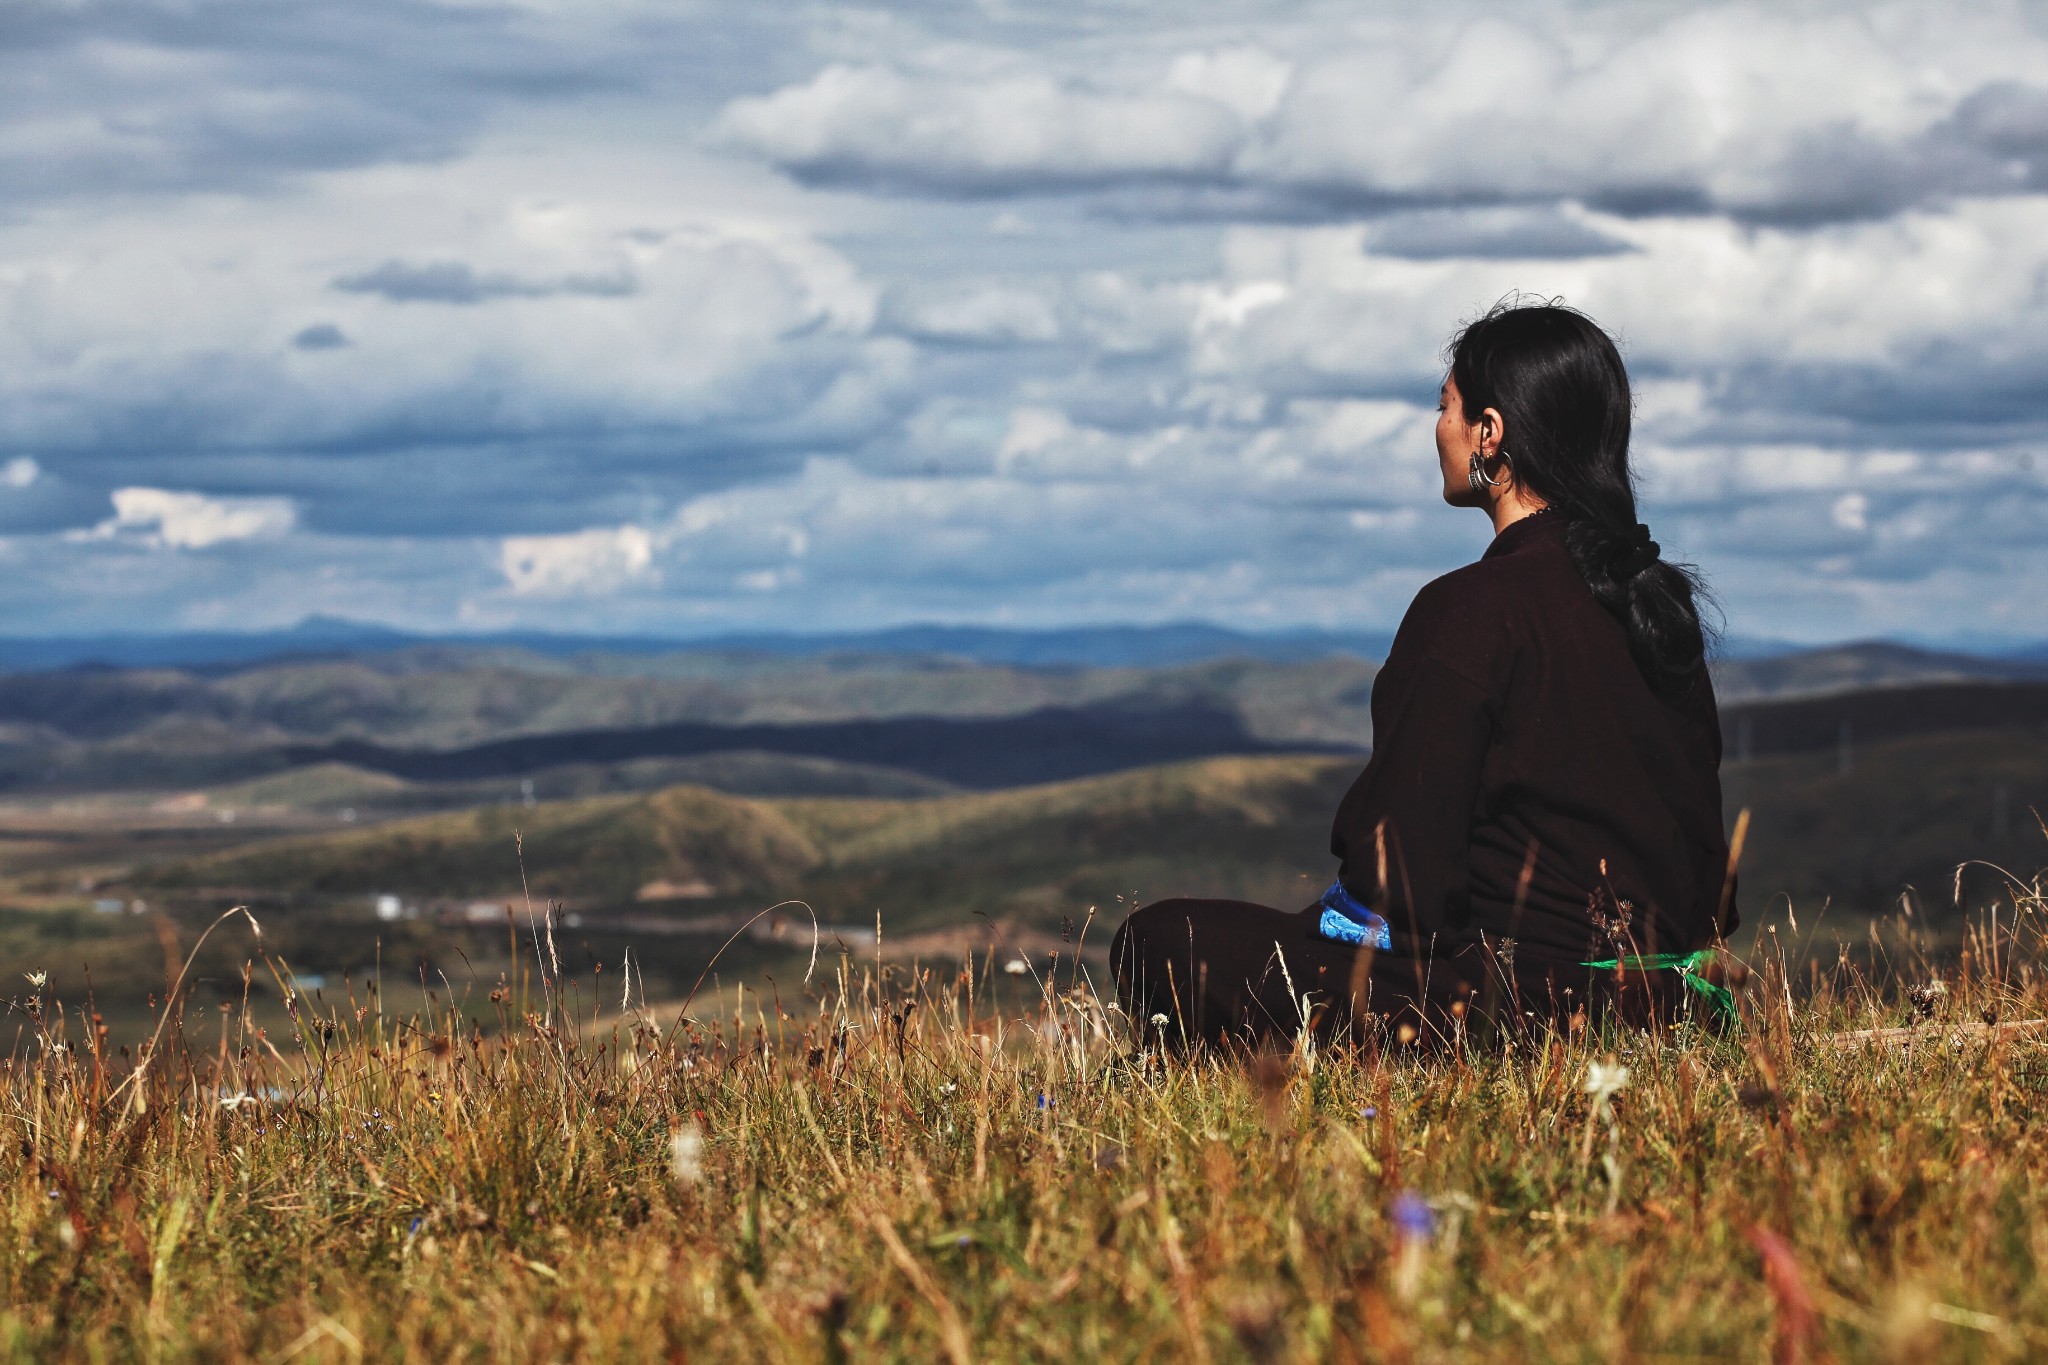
(1114, 646)
(1168, 645)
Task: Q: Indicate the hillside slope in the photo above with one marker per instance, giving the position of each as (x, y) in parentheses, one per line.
(1906, 813)
(604, 849)
(1220, 826)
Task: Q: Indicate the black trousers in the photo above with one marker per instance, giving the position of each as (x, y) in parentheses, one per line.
(1220, 971)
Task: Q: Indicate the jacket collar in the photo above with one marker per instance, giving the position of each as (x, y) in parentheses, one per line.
(1527, 531)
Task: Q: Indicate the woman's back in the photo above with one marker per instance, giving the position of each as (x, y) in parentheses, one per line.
(1527, 783)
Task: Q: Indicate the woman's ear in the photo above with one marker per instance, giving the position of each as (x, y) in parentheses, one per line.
(1493, 432)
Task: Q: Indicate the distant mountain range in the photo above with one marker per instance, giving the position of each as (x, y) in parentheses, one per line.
(1110, 646)
(1854, 667)
(1051, 744)
(444, 713)
(1133, 646)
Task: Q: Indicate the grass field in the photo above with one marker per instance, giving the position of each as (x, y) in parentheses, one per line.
(889, 1164)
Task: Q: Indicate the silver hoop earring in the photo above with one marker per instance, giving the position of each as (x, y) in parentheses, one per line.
(1475, 473)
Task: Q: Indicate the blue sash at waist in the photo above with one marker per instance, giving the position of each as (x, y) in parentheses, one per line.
(1346, 920)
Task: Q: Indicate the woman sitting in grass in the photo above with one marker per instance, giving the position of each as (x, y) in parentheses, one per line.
(1539, 830)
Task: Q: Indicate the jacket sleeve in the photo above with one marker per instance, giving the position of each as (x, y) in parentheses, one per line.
(1403, 832)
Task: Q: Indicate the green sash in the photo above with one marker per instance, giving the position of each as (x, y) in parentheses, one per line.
(1688, 966)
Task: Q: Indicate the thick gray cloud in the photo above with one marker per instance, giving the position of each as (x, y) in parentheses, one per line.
(1503, 234)
(456, 282)
(321, 336)
(104, 97)
(625, 315)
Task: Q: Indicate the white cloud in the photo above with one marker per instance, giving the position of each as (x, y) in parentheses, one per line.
(193, 521)
(1032, 430)
(983, 129)
(1229, 307)
(1808, 116)
(1248, 80)
(595, 562)
(983, 314)
(20, 472)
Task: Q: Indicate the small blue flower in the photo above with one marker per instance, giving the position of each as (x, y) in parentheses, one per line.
(1369, 1112)
(1411, 1215)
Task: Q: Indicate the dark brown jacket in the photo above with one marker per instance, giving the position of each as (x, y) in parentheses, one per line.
(1525, 781)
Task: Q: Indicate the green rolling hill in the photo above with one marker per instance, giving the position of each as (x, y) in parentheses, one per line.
(1905, 814)
(1221, 826)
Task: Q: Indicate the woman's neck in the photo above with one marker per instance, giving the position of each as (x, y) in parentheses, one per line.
(1511, 506)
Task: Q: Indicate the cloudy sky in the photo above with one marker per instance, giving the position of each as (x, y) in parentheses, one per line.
(690, 316)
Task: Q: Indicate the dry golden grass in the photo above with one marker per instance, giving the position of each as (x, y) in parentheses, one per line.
(892, 1168)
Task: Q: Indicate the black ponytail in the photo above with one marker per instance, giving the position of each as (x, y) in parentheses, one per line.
(1563, 396)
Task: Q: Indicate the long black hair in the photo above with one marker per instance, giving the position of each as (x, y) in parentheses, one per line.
(1562, 391)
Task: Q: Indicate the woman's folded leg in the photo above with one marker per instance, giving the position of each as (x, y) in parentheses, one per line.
(1206, 970)
(1222, 970)
(1218, 971)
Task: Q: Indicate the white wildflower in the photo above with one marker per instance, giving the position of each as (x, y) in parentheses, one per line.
(1604, 1079)
(1016, 966)
(1159, 1021)
(36, 979)
(686, 1154)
